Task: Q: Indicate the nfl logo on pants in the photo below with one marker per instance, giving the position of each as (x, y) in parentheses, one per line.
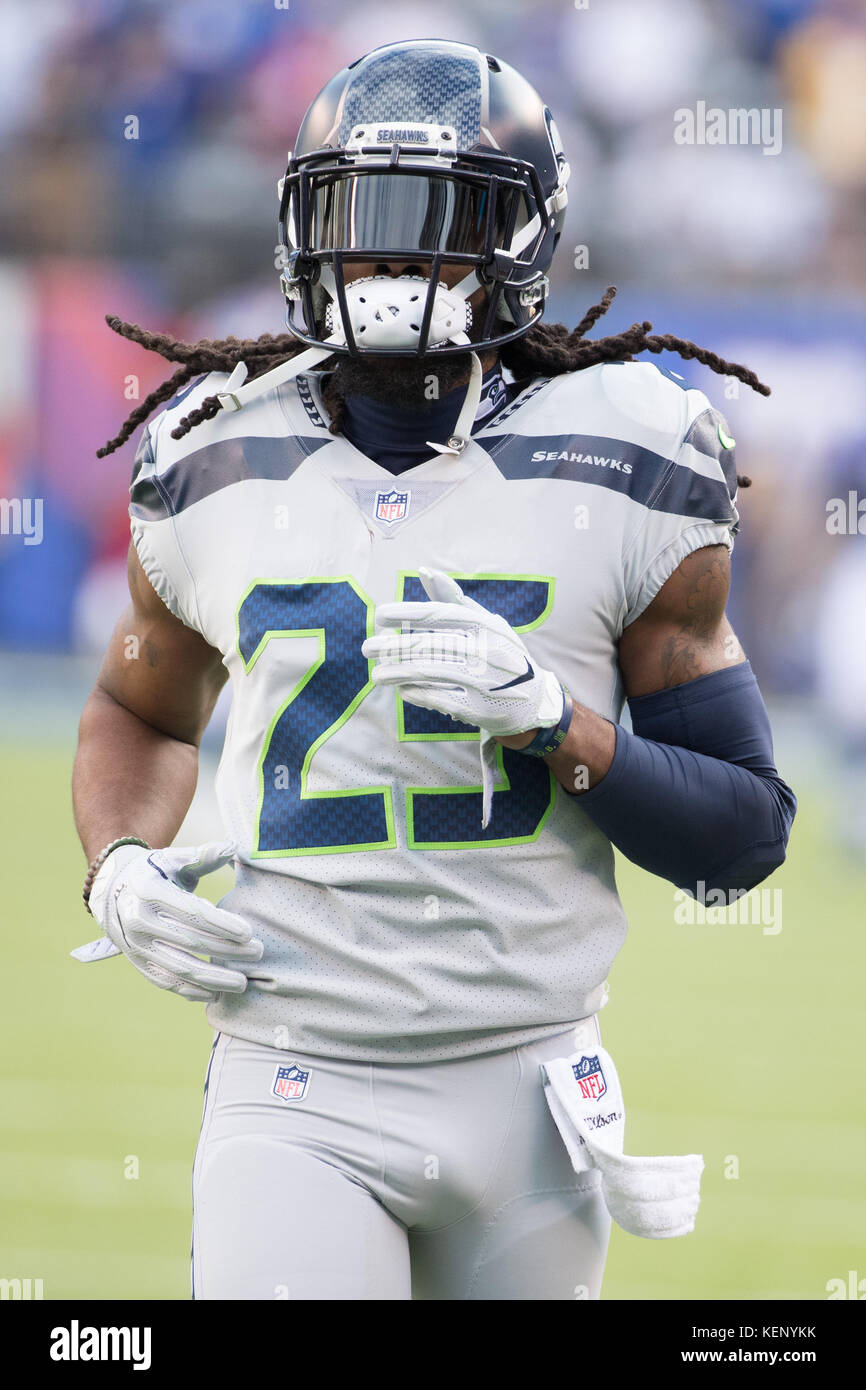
(290, 1083)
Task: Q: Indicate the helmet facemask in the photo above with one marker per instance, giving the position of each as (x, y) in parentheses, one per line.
(459, 220)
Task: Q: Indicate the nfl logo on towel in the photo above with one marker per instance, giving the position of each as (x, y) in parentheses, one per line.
(590, 1078)
(392, 506)
(290, 1083)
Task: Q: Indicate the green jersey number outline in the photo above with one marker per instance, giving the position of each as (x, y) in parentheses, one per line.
(293, 820)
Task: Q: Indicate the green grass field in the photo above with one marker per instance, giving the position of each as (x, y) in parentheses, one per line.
(743, 1045)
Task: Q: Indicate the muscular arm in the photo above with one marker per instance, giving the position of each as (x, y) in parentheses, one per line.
(692, 794)
(681, 635)
(137, 760)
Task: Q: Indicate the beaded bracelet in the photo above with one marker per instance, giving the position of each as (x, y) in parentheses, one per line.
(97, 863)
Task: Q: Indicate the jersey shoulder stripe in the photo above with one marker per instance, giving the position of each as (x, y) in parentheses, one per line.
(627, 427)
(216, 466)
(657, 483)
(259, 442)
(264, 417)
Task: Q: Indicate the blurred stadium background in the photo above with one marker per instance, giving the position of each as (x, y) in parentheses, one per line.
(732, 1040)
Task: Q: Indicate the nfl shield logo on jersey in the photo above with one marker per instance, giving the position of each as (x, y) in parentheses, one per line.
(290, 1083)
(392, 506)
(590, 1078)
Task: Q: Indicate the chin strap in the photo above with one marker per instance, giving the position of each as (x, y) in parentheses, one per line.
(235, 395)
(457, 442)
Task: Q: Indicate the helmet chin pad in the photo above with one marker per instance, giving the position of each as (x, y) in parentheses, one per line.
(388, 311)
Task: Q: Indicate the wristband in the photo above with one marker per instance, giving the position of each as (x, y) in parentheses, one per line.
(97, 863)
(547, 741)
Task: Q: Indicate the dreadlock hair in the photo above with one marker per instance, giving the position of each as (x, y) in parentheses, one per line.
(548, 349)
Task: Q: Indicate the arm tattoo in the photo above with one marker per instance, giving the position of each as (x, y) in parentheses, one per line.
(683, 654)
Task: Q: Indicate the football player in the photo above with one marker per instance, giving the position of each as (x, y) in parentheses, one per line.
(435, 544)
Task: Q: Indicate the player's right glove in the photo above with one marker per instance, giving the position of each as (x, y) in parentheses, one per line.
(143, 899)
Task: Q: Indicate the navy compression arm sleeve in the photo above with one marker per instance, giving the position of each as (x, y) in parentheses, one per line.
(693, 794)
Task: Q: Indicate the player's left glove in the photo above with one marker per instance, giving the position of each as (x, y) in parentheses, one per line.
(455, 656)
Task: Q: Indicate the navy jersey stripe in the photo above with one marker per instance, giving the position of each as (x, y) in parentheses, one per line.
(215, 467)
(185, 391)
(646, 477)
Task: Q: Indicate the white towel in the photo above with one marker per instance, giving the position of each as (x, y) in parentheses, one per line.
(653, 1197)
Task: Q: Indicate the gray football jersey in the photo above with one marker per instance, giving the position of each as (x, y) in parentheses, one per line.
(394, 927)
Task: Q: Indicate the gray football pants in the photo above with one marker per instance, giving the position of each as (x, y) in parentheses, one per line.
(442, 1180)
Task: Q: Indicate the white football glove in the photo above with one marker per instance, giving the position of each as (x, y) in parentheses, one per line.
(455, 656)
(143, 899)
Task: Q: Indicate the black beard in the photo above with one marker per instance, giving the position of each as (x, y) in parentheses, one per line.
(400, 381)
